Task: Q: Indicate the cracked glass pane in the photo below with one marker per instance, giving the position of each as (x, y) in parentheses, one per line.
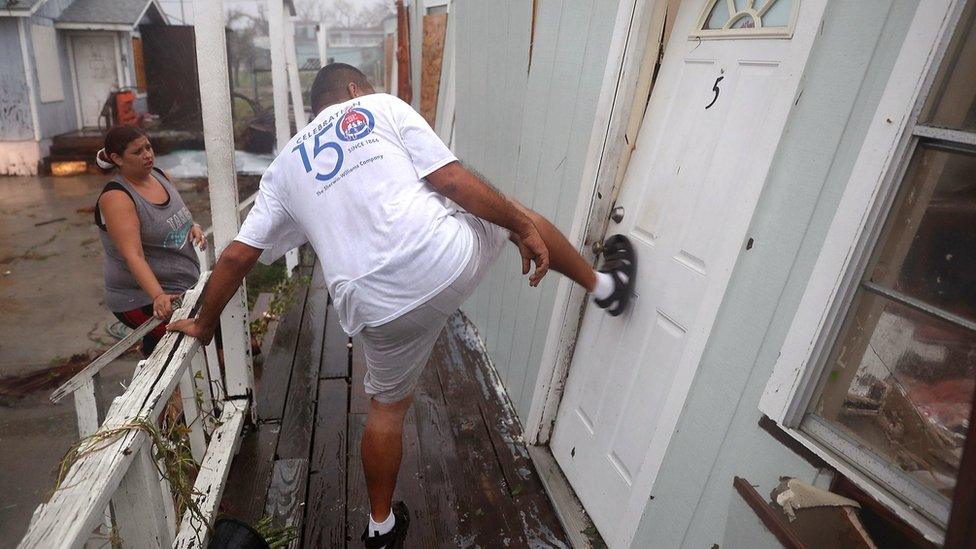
(902, 381)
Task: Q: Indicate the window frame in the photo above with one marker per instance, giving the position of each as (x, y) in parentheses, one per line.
(701, 33)
(887, 150)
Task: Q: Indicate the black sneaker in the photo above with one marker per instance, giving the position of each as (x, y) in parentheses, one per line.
(620, 262)
(394, 538)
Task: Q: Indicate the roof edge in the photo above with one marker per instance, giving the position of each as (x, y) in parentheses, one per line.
(119, 27)
(22, 13)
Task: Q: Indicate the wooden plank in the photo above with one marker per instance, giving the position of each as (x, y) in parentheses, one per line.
(250, 475)
(269, 337)
(388, 63)
(74, 510)
(299, 415)
(325, 524)
(569, 511)
(438, 459)
(86, 408)
(276, 374)
(482, 490)
(336, 351)
(357, 499)
(412, 488)
(473, 363)
(106, 358)
(404, 89)
(261, 305)
(435, 28)
(140, 513)
(358, 401)
(773, 521)
(210, 482)
(286, 495)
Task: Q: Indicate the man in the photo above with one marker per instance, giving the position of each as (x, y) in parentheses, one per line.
(367, 183)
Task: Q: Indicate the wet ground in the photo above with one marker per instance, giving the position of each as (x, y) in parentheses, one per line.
(51, 307)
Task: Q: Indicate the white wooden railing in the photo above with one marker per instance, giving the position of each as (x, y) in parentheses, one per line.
(114, 486)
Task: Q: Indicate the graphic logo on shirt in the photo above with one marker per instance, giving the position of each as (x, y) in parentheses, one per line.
(177, 238)
(355, 124)
(180, 224)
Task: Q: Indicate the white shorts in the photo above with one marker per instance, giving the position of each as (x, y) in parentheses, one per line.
(396, 352)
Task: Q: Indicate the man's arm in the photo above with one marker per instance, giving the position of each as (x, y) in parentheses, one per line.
(234, 263)
(470, 192)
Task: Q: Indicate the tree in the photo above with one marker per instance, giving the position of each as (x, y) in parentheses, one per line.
(240, 41)
(343, 13)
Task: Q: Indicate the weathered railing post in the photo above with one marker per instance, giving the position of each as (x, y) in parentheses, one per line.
(218, 136)
(144, 515)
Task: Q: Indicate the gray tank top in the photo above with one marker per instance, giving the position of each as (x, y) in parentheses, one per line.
(165, 233)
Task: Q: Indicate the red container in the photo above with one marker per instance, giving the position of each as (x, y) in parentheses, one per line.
(125, 107)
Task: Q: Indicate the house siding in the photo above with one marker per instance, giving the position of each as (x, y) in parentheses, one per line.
(527, 130)
(15, 113)
(718, 436)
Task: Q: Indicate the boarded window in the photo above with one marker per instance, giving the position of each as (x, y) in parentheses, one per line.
(47, 63)
(139, 63)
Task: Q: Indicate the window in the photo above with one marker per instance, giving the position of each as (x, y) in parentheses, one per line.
(747, 18)
(47, 63)
(890, 374)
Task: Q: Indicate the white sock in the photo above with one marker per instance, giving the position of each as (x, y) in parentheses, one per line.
(604, 285)
(380, 528)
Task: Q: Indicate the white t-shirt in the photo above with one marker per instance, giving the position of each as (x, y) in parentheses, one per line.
(352, 184)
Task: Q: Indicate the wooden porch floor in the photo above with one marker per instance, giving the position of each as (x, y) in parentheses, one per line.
(466, 475)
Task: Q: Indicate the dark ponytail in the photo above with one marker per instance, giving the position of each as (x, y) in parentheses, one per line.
(116, 140)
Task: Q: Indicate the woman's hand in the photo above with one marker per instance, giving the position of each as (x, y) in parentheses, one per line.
(198, 238)
(163, 305)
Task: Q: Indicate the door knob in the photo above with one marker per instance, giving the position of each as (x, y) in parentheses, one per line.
(617, 214)
(597, 247)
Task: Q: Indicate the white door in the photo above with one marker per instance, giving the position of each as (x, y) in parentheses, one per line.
(97, 70)
(702, 154)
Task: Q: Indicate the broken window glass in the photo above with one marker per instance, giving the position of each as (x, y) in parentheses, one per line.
(901, 381)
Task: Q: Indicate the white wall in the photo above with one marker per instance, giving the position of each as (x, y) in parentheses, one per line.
(526, 129)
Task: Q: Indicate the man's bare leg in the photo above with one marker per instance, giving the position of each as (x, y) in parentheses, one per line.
(382, 449)
(563, 257)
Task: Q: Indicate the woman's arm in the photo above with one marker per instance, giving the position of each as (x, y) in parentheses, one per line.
(122, 223)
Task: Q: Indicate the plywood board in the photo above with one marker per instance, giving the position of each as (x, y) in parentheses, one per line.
(326, 524)
(435, 29)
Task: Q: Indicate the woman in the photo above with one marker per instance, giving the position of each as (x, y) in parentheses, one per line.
(147, 233)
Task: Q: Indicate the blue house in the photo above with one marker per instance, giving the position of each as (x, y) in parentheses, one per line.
(59, 62)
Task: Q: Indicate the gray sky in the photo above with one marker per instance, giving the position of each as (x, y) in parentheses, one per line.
(176, 9)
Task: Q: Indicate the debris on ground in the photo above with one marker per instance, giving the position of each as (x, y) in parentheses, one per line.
(17, 387)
